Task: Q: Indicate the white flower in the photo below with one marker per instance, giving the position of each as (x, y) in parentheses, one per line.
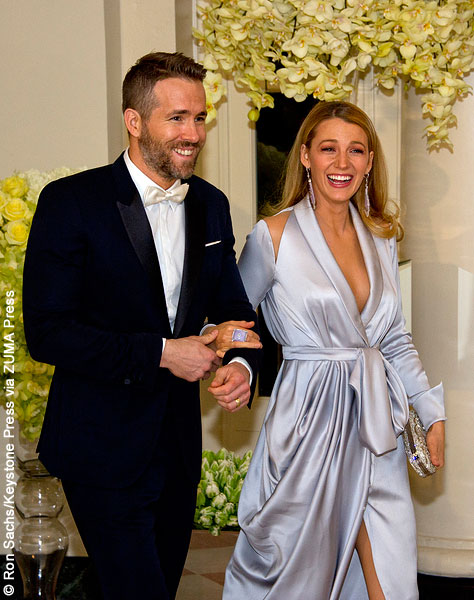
(407, 49)
(363, 60)
(219, 501)
(212, 489)
(319, 9)
(302, 46)
(338, 50)
(214, 87)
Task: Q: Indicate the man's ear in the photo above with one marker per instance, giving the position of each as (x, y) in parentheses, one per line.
(133, 122)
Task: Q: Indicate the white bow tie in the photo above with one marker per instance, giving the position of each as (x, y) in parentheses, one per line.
(154, 195)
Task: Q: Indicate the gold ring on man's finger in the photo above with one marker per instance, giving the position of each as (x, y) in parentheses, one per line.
(237, 402)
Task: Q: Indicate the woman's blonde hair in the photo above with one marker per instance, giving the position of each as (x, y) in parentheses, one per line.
(383, 220)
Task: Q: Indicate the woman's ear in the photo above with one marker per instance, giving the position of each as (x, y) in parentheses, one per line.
(371, 162)
(304, 156)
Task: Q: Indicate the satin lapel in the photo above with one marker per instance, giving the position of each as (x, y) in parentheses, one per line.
(195, 228)
(372, 264)
(138, 229)
(317, 242)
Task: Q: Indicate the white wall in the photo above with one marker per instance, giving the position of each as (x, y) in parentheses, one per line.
(53, 84)
(62, 67)
(439, 221)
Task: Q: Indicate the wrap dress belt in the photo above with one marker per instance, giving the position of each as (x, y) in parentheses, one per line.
(381, 400)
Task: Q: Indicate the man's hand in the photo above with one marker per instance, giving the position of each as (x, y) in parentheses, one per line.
(230, 386)
(435, 443)
(223, 341)
(190, 358)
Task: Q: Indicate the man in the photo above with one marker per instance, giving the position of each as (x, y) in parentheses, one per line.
(120, 275)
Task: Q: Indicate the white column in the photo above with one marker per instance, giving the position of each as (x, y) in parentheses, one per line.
(436, 191)
(229, 162)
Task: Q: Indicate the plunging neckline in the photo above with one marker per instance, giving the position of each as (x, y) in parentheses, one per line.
(361, 311)
(315, 239)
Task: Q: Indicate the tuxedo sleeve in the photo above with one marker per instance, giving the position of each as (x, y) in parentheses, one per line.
(56, 329)
(230, 301)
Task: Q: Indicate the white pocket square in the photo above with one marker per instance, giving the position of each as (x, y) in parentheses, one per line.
(213, 243)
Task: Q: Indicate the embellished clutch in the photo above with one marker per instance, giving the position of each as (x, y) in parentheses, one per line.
(414, 438)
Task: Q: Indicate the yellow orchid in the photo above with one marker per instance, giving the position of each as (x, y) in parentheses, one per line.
(317, 86)
(391, 12)
(359, 7)
(363, 61)
(338, 49)
(293, 90)
(407, 49)
(215, 89)
(321, 10)
(383, 50)
(297, 46)
(342, 23)
(386, 60)
(445, 15)
(240, 31)
(363, 42)
(261, 100)
(302, 47)
(292, 74)
(347, 67)
(224, 40)
(437, 110)
(210, 63)
(386, 81)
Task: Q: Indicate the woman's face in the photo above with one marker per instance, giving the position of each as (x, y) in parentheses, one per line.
(339, 158)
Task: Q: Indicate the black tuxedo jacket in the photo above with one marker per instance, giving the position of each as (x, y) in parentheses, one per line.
(94, 307)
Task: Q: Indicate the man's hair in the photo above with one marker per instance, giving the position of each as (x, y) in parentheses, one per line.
(140, 80)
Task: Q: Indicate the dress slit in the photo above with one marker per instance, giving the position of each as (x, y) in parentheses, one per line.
(367, 560)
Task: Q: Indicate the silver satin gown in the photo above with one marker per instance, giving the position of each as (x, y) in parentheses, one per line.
(329, 452)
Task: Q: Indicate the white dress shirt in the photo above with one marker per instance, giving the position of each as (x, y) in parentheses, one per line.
(167, 218)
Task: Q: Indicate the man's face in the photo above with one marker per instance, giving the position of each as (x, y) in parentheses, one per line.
(171, 139)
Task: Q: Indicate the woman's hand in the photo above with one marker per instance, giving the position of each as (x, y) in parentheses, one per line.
(223, 341)
(435, 443)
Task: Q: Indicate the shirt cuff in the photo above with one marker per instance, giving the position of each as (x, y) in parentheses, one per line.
(242, 361)
(205, 327)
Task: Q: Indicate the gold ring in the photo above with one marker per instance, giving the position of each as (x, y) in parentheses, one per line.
(237, 402)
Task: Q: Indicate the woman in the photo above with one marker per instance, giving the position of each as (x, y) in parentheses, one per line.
(329, 473)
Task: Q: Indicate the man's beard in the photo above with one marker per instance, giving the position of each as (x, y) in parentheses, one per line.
(158, 156)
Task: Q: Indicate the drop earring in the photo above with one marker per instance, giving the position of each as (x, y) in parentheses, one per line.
(312, 199)
(366, 196)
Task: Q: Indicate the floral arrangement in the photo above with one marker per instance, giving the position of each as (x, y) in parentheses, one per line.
(222, 477)
(18, 199)
(314, 47)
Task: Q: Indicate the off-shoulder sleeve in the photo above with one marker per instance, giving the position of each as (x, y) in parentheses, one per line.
(257, 263)
(398, 349)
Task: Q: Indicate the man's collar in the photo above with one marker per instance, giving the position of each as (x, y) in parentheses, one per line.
(139, 178)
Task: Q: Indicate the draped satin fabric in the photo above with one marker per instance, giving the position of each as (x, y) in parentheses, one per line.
(329, 453)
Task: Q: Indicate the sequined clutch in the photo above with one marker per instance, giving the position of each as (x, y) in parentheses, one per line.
(414, 438)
